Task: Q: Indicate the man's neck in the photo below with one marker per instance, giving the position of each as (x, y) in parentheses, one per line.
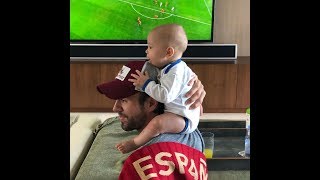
(149, 117)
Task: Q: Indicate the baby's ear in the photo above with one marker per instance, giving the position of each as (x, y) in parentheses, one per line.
(170, 51)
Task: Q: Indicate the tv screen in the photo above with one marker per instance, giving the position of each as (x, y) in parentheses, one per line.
(130, 21)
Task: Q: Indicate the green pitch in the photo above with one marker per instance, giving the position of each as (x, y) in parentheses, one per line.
(118, 19)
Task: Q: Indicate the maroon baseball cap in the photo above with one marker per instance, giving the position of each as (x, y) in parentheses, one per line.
(121, 87)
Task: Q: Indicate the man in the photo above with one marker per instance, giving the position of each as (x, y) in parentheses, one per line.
(136, 109)
(139, 21)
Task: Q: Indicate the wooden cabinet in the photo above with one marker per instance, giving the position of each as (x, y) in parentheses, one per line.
(220, 83)
(227, 86)
(243, 87)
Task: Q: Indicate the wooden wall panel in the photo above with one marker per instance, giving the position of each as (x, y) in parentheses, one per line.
(220, 82)
(243, 86)
(84, 77)
(83, 80)
(227, 86)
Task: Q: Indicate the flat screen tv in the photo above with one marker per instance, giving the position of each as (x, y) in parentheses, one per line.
(130, 21)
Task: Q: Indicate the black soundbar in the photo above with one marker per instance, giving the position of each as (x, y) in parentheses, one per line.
(137, 51)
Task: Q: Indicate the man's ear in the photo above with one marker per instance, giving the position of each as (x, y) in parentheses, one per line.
(170, 51)
(150, 104)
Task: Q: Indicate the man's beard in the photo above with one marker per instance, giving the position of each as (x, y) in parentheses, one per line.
(136, 122)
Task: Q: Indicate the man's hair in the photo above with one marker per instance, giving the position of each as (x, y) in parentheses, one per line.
(144, 96)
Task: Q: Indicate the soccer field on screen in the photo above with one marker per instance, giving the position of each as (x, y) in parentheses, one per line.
(118, 19)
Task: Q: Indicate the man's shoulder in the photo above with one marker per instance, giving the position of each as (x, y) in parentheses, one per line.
(163, 138)
(191, 139)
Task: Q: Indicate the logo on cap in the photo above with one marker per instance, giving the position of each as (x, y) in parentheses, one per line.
(123, 73)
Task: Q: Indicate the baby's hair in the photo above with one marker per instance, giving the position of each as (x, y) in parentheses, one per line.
(174, 35)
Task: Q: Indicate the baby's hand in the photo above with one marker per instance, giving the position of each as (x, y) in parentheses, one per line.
(140, 79)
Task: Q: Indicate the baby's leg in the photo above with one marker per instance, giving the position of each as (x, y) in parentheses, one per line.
(169, 123)
(164, 123)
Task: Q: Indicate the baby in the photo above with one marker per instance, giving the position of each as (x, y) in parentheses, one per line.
(166, 44)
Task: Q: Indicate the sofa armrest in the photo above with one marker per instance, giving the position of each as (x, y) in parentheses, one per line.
(81, 137)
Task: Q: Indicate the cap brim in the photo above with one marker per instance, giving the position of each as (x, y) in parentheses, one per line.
(117, 89)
